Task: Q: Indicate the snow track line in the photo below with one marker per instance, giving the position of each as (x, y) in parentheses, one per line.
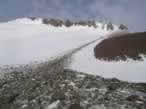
(65, 59)
(83, 46)
(57, 65)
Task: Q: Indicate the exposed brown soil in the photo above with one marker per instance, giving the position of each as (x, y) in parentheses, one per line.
(130, 45)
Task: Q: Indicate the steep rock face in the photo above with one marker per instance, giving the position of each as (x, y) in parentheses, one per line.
(107, 26)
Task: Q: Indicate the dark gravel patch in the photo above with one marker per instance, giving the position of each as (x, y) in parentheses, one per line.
(122, 47)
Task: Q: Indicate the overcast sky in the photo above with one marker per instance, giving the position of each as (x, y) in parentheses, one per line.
(129, 12)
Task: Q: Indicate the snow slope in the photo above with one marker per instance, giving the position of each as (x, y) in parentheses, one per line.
(23, 40)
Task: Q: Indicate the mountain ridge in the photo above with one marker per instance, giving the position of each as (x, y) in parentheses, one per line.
(105, 25)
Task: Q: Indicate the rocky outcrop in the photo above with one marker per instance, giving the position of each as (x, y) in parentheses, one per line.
(54, 22)
(123, 27)
(68, 23)
(109, 26)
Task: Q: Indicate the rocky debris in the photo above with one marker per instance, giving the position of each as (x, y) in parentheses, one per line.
(54, 105)
(123, 27)
(75, 106)
(68, 90)
(68, 23)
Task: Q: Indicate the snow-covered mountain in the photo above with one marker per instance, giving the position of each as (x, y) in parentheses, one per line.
(60, 51)
(24, 40)
(30, 40)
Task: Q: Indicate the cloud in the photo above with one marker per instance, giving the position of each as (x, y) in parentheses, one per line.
(128, 12)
